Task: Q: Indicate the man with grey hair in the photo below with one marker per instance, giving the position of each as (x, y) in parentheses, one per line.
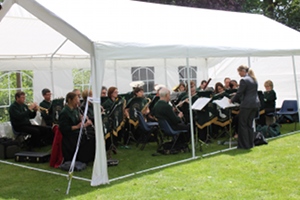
(163, 111)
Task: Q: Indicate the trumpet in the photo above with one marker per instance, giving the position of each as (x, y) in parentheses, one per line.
(39, 108)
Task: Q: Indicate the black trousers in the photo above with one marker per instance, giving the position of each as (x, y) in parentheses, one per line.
(40, 135)
(245, 128)
(183, 137)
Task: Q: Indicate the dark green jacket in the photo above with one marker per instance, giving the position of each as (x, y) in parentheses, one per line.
(162, 110)
(20, 115)
(46, 116)
(67, 119)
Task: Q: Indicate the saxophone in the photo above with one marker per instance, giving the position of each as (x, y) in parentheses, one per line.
(146, 107)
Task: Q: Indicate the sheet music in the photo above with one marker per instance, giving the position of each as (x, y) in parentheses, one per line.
(224, 103)
(200, 103)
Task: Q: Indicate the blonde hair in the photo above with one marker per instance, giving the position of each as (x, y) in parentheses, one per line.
(269, 83)
(250, 72)
(86, 93)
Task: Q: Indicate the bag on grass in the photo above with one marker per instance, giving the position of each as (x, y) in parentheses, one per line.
(79, 166)
(259, 139)
(273, 130)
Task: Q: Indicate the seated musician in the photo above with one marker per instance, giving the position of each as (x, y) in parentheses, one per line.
(184, 102)
(226, 83)
(154, 100)
(222, 114)
(46, 103)
(69, 125)
(20, 115)
(90, 112)
(113, 115)
(162, 110)
(202, 85)
(138, 103)
(103, 91)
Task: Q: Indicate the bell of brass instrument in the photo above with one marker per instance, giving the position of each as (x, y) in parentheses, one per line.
(39, 108)
(146, 106)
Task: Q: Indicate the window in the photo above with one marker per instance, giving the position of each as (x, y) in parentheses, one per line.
(145, 74)
(10, 82)
(81, 78)
(183, 76)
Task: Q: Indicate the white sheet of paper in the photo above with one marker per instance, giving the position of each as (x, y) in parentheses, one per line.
(224, 103)
(200, 103)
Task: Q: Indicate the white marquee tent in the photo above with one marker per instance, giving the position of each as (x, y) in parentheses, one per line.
(110, 34)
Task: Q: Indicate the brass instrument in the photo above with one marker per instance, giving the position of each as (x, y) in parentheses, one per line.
(39, 108)
(146, 106)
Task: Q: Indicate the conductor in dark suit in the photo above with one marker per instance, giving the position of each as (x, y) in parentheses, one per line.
(247, 95)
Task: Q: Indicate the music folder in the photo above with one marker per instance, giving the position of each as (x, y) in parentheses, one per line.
(200, 103)
(224, 103)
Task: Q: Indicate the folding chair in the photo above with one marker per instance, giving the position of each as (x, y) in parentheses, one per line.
(168, 131)
(288, 112)
(147, 129)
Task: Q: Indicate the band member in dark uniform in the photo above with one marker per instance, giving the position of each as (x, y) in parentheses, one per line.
(248, 108)
(183, 105)
(90, 112)
(138, 103)
(20, 115)
(46, 112)
(162, 110)
(113, 116)
(69, 125)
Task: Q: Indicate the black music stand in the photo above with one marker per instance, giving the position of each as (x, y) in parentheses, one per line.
(113, 124)
(224, 104)
(134, 103)
(198, 107)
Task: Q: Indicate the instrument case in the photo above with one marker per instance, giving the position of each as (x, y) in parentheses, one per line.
(34, 157)
(112, 162)
(8, 148)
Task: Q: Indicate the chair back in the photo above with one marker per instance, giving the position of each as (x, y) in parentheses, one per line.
(289, 106)
(142, 121)
(166, 128)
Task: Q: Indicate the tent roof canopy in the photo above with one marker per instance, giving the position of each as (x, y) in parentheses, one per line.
(123, 29)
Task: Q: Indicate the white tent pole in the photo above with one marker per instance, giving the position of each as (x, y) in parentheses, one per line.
(7, 4)
(190, 107)
(116, 77)
(296, 83)
(166, 76)
(249, 62)
(51, 66)
(100, 174)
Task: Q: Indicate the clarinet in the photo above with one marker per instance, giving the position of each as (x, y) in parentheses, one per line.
(84, 128)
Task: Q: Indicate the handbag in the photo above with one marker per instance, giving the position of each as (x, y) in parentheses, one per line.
(259, 139)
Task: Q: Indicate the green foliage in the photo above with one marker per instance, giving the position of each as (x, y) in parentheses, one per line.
(81, 78)
(283, 11)
(8, 88)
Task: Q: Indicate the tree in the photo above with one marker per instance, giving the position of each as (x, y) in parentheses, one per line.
(283, 11)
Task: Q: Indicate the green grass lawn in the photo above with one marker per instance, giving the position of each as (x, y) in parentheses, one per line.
(264, 172)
